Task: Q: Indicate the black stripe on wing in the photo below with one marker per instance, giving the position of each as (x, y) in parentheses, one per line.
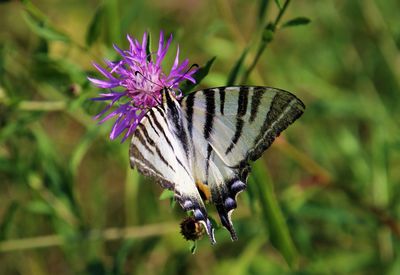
(210, 113)
(158, 125)
(149, 144)
(255, 102)
(189, 112)
(241, 111)
(284, 110)
(209, 124)
(174, 114)
(221, 99)
(147, 168)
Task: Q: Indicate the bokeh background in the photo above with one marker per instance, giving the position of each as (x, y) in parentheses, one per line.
(324, 199)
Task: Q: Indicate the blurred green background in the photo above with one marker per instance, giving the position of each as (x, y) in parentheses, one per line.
(324, 199)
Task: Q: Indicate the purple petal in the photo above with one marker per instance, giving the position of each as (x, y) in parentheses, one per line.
(161, 54)
(160, 44)
(103, 84)
(103, 71)
(120, 51)
(103, 111)
(176, 62)
(144, 41)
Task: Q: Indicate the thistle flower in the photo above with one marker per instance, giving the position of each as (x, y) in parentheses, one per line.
(134, 83)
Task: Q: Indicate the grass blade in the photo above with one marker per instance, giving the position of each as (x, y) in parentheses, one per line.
(272, 215)
(42, 29)
(235, 70)
(96, 25)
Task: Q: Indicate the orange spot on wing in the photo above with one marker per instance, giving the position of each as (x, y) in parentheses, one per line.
(204, 190)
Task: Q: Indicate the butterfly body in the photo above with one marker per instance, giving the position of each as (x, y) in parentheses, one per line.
(200, 147)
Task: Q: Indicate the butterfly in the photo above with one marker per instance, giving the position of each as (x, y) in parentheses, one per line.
(200, 146)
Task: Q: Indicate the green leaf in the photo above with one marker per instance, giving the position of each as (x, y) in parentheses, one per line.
(113, 27)
(32, 9)
(278, 3)
(42, 30)
(193, 247)
(272, 215)
(95, 26)
(198, 76)
(148, 47)
(235, 70)
(298, 21)
(7, 219)
(167, 194)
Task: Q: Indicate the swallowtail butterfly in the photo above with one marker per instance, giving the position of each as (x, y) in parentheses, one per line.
(200, 146)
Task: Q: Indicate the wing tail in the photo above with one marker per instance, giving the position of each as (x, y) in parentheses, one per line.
(196, 206)
(228, 203)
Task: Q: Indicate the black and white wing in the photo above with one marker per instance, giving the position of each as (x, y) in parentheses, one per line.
(228, 127)
(160, 148)
(201, 146)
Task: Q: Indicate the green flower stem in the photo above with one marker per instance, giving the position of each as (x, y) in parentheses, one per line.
(264, 42)
(272, 215)
(226, 12)
(281, 12)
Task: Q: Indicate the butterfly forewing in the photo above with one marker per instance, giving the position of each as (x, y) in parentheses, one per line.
(245, 120)
(201, 146)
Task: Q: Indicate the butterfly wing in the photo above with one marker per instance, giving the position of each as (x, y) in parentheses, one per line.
(228, 127)
(160, 149)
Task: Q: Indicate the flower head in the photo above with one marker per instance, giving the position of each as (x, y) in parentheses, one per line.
(134, 83)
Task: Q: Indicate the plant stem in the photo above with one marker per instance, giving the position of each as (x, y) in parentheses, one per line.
(264, 42)
(281, 12)
(46, 106)
(109, 234)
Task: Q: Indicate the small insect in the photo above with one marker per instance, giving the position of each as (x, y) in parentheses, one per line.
(200, 146)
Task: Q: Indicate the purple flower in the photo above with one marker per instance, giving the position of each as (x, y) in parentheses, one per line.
(134, 83)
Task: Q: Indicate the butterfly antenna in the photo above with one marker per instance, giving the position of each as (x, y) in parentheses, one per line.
(139, 73)
(187, 71)
(155, 98)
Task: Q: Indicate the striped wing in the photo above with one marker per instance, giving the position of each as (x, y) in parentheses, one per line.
(228, 127)
(160, 149)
